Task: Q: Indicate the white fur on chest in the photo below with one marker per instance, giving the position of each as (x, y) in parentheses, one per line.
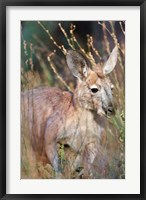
(81, 130)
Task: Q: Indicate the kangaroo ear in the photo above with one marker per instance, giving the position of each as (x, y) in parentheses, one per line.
(77, 64)
(111, 62)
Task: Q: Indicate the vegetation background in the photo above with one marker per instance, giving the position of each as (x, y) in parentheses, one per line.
(43, 49)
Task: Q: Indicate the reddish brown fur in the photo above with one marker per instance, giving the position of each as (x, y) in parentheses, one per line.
(52, 114)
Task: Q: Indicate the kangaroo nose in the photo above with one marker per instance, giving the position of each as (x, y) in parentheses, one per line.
(110, 110)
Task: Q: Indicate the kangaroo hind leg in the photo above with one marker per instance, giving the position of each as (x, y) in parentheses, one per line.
(50, 141)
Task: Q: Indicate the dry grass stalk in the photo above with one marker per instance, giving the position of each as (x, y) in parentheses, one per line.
(56, 73)
(91, 46)
(66, 36)
(122, 27)
(107, 44)
(90, 58)
(61, 47)
(116, 43)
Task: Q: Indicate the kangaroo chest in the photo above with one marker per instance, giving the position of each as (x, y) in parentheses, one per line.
(80, 129)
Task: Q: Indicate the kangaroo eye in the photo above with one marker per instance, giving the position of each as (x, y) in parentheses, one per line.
(94, 90)
(112, 87)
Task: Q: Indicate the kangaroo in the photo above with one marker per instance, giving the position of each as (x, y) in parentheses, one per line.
(54, 114)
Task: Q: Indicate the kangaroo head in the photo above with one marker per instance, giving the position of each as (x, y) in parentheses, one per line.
(94, 89)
